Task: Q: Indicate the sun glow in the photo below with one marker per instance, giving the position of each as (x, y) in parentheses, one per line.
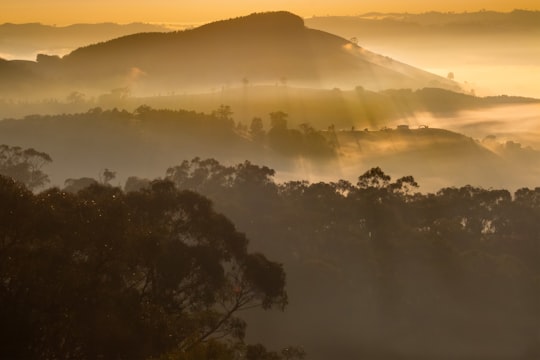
(63, 12)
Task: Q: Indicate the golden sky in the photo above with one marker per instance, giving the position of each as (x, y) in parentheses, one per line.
(63, 12)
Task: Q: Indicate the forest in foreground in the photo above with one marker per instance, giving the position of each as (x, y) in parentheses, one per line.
(162, 269)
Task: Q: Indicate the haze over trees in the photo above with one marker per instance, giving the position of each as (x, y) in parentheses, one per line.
(157, 270)
(388, 265)
(390, 216)
(291, 143)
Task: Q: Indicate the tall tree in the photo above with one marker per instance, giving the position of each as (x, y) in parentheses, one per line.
(24, 165)
(105, 274)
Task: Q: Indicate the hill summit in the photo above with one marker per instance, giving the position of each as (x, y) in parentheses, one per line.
(262, 48)
(273, 21)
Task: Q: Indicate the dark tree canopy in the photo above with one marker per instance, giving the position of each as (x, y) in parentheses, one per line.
(156, 272)
(394, 264)
(106, 274)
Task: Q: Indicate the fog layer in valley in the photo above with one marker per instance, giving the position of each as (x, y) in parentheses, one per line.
(492, 53)
(482, 147)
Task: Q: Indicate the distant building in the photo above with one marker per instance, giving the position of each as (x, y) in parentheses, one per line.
(403, 127)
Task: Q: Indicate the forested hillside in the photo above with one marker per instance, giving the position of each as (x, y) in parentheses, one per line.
(395, 274)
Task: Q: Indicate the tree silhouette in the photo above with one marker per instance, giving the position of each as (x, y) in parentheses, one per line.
(256, 128)
(75, 185)
(224, 113)
(107, 176)
(464, 257)
(24, 165)
(278, 120)
(373, 178)
(104, 274)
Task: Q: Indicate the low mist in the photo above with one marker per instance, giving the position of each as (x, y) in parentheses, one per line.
(484, 147)
(488, 52)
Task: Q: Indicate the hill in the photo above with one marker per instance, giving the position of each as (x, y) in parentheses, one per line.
(265, 48)
(427, 24)
(24, 41)
(147, 141)
(492, 52)
(318, 107)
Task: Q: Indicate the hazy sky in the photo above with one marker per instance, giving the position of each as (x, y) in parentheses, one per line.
(63, 12)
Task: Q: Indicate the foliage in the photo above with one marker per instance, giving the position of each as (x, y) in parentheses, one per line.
(306, 142)
(394, 264)
(75, 185)
(454, 273)
(24, 165)
(106, 274)
(256, 128)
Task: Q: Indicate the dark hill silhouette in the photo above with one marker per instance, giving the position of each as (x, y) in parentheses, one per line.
(18, 76)
(260, 48)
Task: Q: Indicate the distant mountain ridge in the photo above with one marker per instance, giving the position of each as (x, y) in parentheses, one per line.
(265, 48)
(490, 52)
(24, 41)
(477, 23)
